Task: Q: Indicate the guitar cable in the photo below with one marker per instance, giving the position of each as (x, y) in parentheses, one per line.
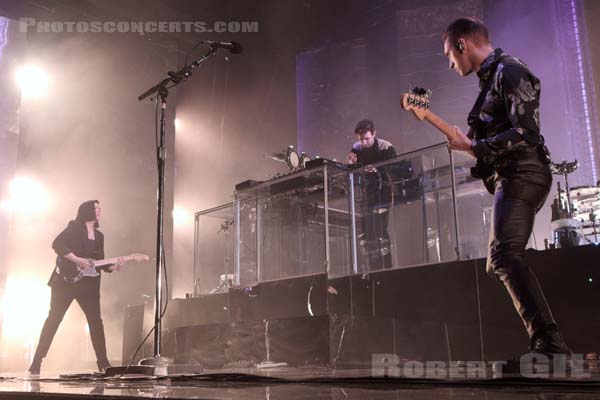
(163, 311)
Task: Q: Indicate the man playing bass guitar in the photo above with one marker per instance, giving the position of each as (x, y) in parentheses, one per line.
(512, 160)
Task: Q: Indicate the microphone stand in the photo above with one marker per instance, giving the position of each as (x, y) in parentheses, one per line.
(174, 78)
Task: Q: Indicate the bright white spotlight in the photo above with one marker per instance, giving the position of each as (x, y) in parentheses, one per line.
(181, 216)
(27, 197)
(25, 308)
(33, 81)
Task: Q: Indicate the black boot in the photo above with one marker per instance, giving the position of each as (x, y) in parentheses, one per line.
(102, 366)
(550, 343)
(544, 348)
(34, 368)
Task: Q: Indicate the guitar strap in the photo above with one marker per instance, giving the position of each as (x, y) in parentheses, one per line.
(473, 119)
(482, 170)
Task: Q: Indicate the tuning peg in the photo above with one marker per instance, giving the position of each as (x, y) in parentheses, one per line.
(419, 91)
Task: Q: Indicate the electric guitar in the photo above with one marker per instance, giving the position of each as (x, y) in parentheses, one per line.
(418, 102)
(73, 273)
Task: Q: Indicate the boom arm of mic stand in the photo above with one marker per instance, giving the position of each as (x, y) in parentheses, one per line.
(154, 89)
(176, 77)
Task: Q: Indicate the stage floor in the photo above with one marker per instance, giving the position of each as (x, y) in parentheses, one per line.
(291, 384)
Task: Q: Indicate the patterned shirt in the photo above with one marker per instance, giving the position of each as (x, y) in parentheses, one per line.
(510, 111)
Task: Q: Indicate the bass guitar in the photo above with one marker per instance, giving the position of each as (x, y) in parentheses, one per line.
(418, 102)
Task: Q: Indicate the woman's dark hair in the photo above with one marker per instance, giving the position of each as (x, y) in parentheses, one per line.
(87, 212)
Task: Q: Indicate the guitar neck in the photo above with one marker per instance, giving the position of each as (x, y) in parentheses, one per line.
(108, 261)
(441, 125)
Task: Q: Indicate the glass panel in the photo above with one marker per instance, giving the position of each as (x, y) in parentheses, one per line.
(394, 214)
(246, 240)
(404, 211)
(340, 222)
(213, 250)
(283, 226)
(474, 209)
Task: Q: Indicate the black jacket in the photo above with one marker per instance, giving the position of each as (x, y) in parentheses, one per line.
(73, 240)
(511, 141)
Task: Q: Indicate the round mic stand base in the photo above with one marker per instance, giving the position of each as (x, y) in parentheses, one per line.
(159, 363)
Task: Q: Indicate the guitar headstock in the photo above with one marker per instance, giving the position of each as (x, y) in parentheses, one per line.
(417, 101)
(139, 257)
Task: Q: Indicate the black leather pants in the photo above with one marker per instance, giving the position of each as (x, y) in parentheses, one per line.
(515, 205)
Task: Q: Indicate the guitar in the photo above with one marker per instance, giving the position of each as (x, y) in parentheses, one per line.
(73, 273)
(418, 102)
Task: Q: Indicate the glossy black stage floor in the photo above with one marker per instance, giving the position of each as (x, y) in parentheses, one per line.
(292, 384)
(405, 333)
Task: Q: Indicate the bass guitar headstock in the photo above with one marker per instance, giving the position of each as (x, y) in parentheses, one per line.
(417, 101)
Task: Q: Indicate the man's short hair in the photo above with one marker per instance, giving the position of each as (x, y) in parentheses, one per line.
(467, 27)
(364, 126)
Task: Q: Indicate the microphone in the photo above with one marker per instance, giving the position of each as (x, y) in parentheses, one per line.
(233, 47)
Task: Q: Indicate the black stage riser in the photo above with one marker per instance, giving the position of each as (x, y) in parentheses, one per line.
(452, 311)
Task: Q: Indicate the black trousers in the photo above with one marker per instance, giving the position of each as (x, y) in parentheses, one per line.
(87, 294)
(515, 206)
(375, 220)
